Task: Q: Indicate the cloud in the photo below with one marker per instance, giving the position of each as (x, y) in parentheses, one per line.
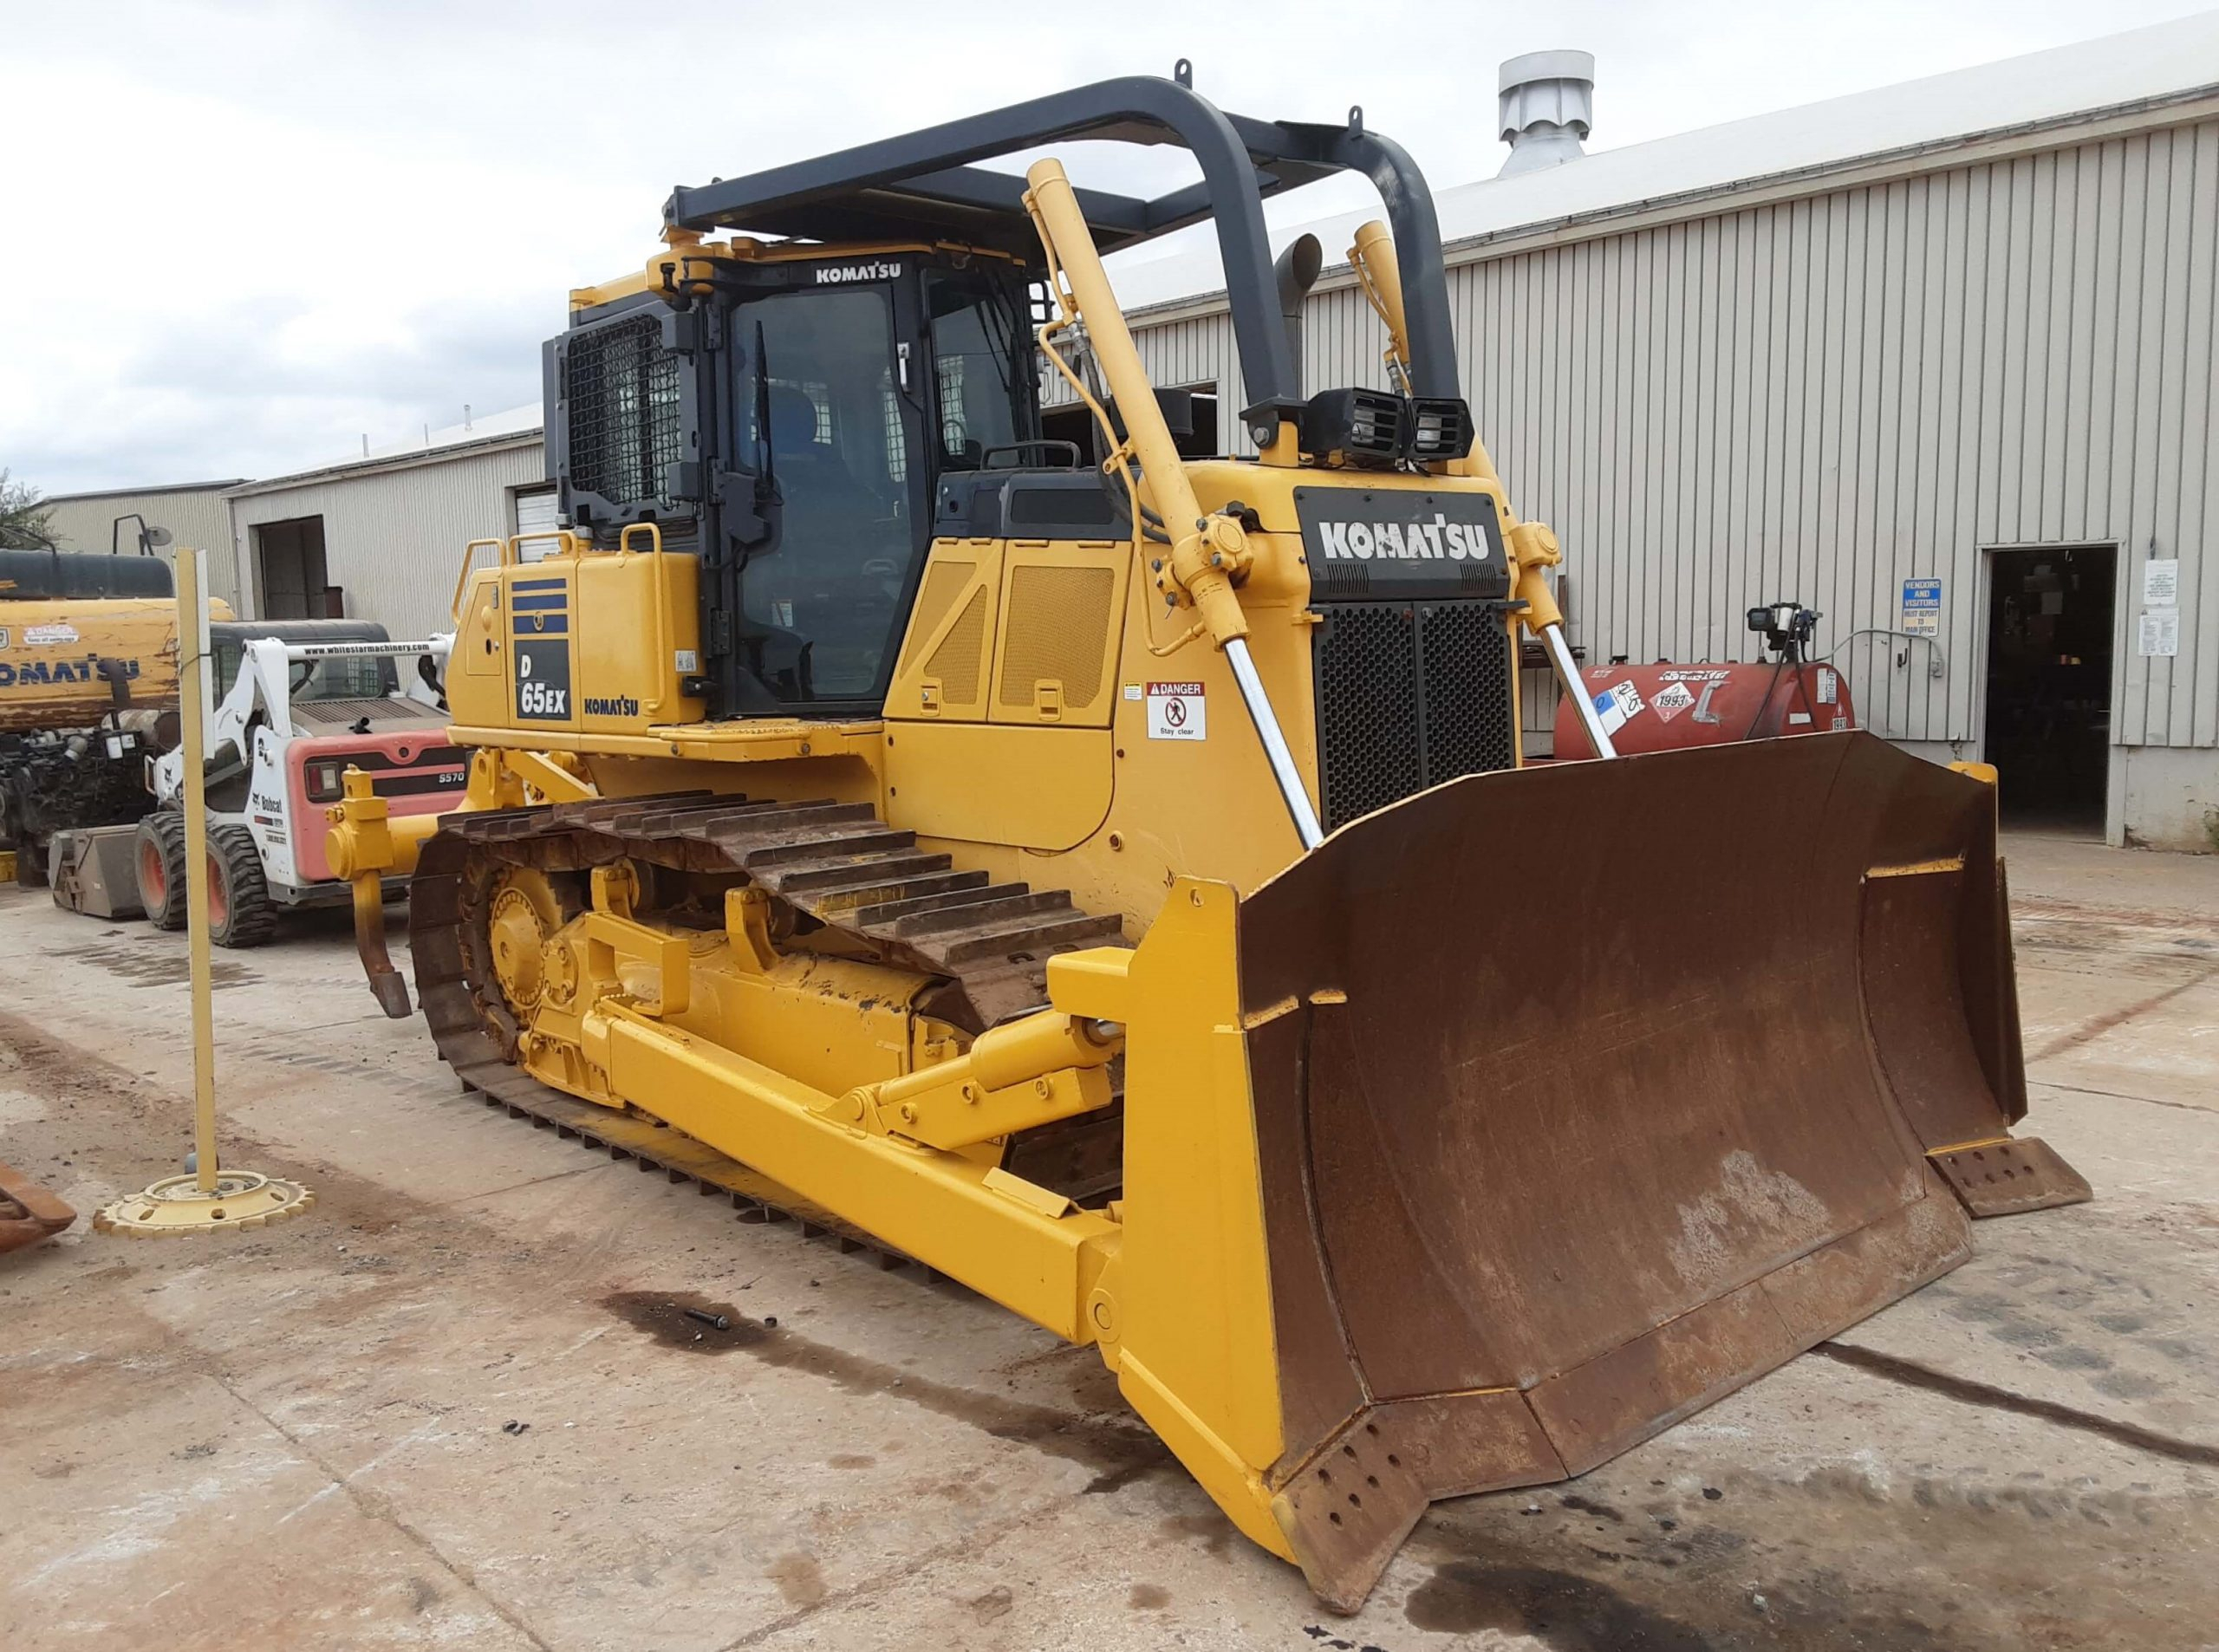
(239, 235)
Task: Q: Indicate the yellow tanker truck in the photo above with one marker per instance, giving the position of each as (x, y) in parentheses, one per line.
(88, 675)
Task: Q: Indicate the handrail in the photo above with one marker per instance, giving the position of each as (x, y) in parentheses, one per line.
(462, 579)
(663, 661)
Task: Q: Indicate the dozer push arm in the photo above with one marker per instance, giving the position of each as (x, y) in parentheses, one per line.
(1207, 556)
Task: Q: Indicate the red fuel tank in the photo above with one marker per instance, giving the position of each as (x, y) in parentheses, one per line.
(1660, 707)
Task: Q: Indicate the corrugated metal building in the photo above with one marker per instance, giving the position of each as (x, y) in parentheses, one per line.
(194, 513)
(1960, 331)
(382, 537)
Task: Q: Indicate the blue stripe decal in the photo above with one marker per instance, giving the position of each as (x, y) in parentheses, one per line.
(539, 584)
(551, 625)
(554, 600)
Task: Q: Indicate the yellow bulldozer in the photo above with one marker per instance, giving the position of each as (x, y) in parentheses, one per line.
(1108, 879)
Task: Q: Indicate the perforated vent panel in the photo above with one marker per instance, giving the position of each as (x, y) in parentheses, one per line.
(619, 387)
(1058, 630)
(944, 582)
(1366, 672)
(957, 661)
(1409, 695)
(1464, 658)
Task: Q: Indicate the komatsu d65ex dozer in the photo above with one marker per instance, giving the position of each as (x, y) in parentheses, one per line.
(1109, 881)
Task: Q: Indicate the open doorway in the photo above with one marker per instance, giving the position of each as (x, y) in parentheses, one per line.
(289, 569)
(2049, 684)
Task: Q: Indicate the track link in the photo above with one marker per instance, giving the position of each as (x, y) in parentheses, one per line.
(836, 867)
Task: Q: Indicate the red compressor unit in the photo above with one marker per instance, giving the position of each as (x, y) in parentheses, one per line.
(1663, 706)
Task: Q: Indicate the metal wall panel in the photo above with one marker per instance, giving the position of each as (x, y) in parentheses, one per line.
(194, 517)
(394, 538)
(1819, 398)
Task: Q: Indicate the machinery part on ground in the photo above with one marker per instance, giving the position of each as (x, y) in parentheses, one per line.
(175, 1205)
(27, 1212)
(93, 870)
(240, 912)
(158, 868)
(775, 743)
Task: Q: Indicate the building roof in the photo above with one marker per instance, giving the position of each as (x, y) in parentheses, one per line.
(503, 429)
(2167, 62)
(142, 493)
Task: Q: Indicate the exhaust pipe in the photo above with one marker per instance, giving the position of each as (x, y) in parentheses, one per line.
(1296, 271)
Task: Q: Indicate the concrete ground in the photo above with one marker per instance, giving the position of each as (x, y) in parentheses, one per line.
(455, 1403)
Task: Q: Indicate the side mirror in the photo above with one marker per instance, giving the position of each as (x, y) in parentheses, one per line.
(158, 538)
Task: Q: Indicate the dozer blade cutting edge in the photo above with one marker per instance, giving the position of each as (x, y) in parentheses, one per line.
(1581, 1096)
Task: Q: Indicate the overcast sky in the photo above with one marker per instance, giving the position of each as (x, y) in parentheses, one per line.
(240, 236)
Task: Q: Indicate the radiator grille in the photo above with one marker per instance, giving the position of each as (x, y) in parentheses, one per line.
(1409, 695)
(620, 388)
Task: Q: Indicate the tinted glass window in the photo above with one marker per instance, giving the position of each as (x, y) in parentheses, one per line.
(823, 605)
(979, 351)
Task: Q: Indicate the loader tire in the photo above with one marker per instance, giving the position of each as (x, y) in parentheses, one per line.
(240, 913)
(158, 868)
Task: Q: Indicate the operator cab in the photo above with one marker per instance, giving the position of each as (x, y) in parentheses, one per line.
(813, 403)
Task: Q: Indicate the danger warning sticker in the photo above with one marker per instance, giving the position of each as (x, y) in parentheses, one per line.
(1177, 711)
(1671, 700)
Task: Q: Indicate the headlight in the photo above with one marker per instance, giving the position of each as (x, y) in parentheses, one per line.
(323, 778)
(1353, 427)
(1440, 428)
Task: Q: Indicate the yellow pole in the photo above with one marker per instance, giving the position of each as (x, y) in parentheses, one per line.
(193, 699)
(211, 1198)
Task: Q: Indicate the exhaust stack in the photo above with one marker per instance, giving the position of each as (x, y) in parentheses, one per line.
(1295, 271)
(1548, 104)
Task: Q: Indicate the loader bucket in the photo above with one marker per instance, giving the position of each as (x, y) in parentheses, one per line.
(1586, 1093)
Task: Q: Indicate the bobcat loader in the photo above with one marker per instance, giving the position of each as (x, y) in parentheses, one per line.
(1109, 881)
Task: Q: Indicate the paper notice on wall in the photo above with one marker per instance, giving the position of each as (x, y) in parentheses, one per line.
(2161, 582)
(2159, 634)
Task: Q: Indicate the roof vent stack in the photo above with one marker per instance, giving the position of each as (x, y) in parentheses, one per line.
(1548, 104)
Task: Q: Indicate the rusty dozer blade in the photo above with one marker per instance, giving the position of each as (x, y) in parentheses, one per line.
(1585, 1094)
